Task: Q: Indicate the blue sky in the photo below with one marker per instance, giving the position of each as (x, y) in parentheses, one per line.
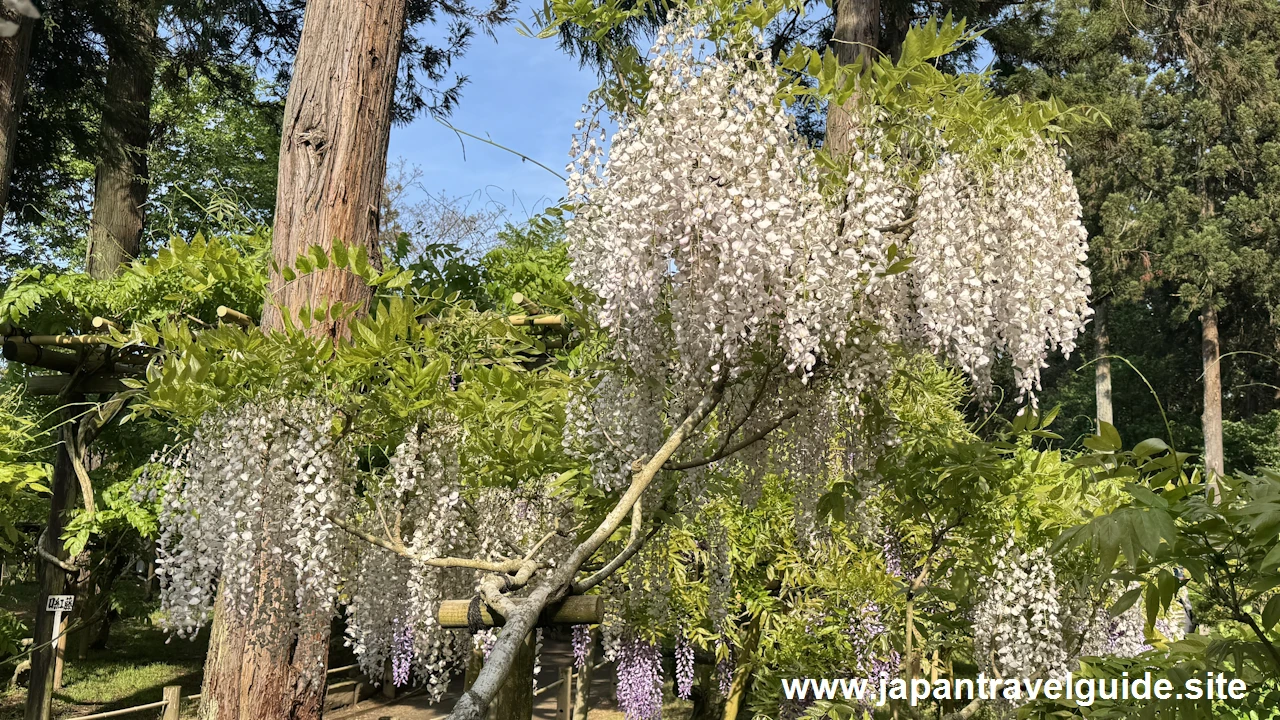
(523, 93)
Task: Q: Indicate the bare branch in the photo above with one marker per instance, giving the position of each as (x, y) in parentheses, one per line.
(745, 443)
(399, 548)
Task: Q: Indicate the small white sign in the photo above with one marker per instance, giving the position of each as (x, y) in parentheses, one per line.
(60, 603)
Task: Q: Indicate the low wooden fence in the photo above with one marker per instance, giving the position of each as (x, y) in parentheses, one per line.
(337, 695)
(344, 694)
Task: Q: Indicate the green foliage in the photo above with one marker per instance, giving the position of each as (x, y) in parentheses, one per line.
(216, 152)
(185, 278)
(22, 474)
(533, 260)
(1173, 531)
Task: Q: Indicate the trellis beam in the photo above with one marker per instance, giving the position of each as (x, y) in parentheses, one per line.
(573, 610)
(56, 384)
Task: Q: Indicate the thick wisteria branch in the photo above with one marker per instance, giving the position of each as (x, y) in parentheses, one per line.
(475, 701)
(633, 546)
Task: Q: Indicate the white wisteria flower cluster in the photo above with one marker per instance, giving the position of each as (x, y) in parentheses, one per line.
(999, 262)
(710, 243)
(1017, 631)
(254, 486)
(266, 489)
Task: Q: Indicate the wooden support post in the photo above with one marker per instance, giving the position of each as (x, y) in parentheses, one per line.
(582, 688)
(60, 655)
(564, 694)
(515, 697)
(355, 692)
(173, 702)
(53, 581)
(388, 681)
(573, 610)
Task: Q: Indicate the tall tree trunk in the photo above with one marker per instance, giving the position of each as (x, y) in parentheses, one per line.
(120, 183)
(333, 155)
(855, 41)
(333, 152)
(1211, 421)
(53, 581)
(1102, 365)
(15, 53)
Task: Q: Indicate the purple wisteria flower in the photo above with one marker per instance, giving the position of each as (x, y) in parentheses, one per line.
(581, 645)
(639, 679)
(684, 668)
(724, 671)
(401, 653)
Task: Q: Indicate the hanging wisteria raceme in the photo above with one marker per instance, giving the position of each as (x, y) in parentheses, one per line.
(581, 645)
(639, 678)
(616, 423)
(255, 481)
(422, 496)
(273, 480)
(392, 597)
(684, 668)
(704, 201)
(402, 653)
(720, 574)
(868, 658)
(1017, 629)
(1122, 635)
(999, 262)
(724, 670)
(712, 250)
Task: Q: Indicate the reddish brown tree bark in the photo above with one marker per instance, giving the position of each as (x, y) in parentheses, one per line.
(333, 152)
(15, 54)
(269, 664)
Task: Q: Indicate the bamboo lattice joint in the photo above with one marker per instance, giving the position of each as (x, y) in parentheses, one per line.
(537, 320)
(226, 314)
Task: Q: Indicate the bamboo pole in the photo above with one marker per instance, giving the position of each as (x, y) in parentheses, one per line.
(34, 355)
(538, 320)
(530, 307)
(60, 340)
(100, 322)
(226, 314)
(573, 610)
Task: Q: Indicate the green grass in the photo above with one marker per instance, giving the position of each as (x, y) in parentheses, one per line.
(132, 670)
